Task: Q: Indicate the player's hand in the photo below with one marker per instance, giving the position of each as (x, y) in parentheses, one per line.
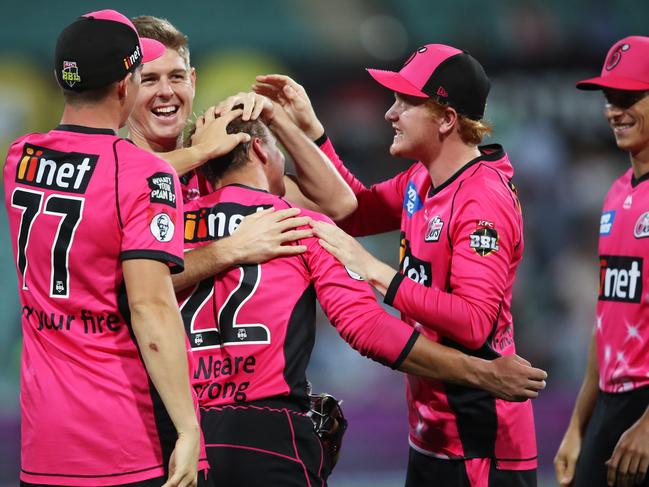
(344, 247)
(183, 464)
(211, 139)
(266, 234)
(630, 460)
(513, 378)
(293, 99)
(254, 106)
(565, 460)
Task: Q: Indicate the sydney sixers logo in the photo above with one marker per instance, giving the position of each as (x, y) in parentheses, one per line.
(616, 56)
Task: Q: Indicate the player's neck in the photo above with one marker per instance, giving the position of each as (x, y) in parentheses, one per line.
(640, 162)
(451, 157)
(161, 145)
(249, 175)
(95, 116)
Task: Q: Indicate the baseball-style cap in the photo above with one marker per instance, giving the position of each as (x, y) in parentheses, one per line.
(626, 67)
(444, 73)
(100, 48)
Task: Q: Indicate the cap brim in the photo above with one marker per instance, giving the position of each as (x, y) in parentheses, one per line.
(395, 82)
(151, 49)
(613, 82)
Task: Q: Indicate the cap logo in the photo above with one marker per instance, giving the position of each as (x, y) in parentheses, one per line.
(616, 56)
(421, 50)
(70, 73)
(442, 92)
(133, 59)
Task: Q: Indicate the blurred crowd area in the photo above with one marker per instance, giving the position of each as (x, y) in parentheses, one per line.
(561, 148)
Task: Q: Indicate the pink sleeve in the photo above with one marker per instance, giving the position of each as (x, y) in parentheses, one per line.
(484, 235)
(149, 208)
(351, 307)
(379, 207)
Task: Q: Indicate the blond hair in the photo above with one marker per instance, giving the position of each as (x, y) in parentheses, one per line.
(471, 131)
(163, 31)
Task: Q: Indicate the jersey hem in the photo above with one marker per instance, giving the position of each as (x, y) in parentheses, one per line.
(92, 480)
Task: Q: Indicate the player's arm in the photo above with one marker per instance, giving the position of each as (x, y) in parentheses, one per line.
(351, 307)
(261, 236)
(379, 208)
(209, 141)
(478, 282)
(570, 447)
(160, 335)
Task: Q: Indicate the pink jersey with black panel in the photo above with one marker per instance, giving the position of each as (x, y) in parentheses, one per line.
(623, 303)
(460, 245)
(80, 201)
(252, 328)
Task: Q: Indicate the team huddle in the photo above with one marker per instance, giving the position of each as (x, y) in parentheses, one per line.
(194, 330)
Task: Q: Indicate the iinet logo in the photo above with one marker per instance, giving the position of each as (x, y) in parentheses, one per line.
(620, 278)
(49, 169)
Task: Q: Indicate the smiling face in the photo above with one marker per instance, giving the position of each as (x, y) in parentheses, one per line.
(164, 102)
(414, 125)
(627, 113)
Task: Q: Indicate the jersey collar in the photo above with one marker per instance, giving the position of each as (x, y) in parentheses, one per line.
(80, 129)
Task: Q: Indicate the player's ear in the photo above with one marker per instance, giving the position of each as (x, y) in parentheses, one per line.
(122, 87)
(448, 121)
(258, 149)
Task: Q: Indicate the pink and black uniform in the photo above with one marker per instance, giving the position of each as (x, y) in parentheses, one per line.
(252, 330)
(193, 185)
(80, 201)
(460, 245)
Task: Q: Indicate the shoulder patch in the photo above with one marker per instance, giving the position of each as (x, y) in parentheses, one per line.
(484, 239)
(641, 228)
(162, 189)
(411, 202)
(162, 228)
(606, 222)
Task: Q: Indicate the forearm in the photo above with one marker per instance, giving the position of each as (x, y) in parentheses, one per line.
(184, 160)
(435, 361)
(161, 339)
(587, 396)
(206, 261)
(317, 178)
(463, 319)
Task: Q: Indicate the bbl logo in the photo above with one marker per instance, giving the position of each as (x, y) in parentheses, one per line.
(484, 240)
(70, 73)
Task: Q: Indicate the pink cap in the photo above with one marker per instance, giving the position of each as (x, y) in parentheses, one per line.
(626, 67)
(151, 49)
(444, 73)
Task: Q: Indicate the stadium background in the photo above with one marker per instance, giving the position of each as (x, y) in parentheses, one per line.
(560, 146)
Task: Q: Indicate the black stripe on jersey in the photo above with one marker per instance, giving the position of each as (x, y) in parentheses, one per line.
(635, 182)
(119, 212)
(80, 129)
(498, 153)
(391, 293)
(406, 350)
(161, 256)
(298, 344)
(79, 476)
(515, 202)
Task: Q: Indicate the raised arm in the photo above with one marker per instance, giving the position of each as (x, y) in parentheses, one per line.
(160, 335)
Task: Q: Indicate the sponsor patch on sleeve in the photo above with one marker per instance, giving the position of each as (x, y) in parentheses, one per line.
(162, 227)
(484, 239)
(162, 189)
(606, 222)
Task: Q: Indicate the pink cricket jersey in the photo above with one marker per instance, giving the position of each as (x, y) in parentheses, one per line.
(623, 305)
(252, 328)
(81, 201)
(460, 245)
(194, 185)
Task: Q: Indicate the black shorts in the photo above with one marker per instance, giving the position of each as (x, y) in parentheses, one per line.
(261, 445)
(612, 416)
(427, 471)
